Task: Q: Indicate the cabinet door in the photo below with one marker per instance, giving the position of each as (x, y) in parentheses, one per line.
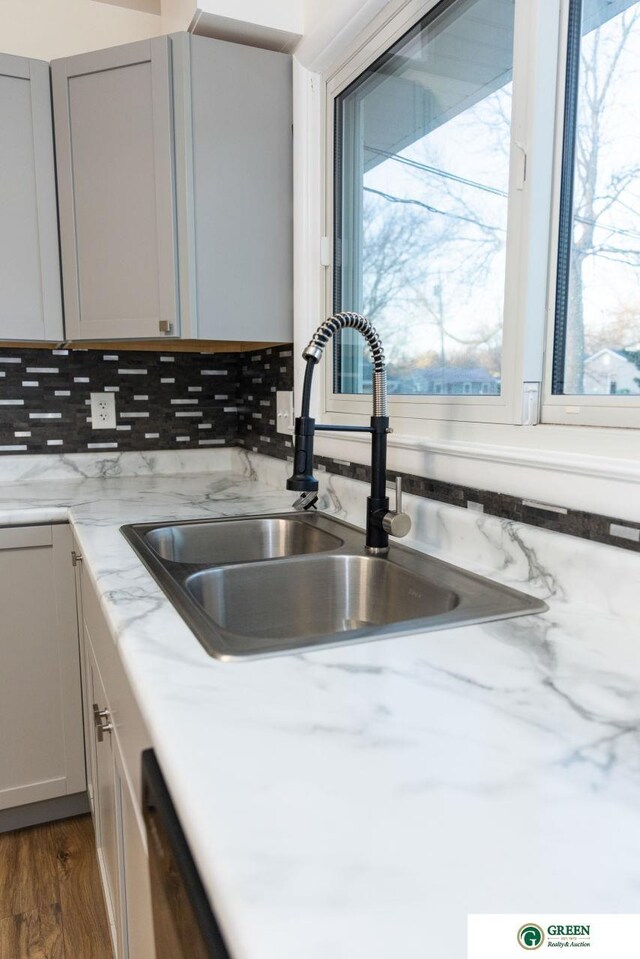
(114, 144)
(30, 302)
(137, 916)
(238, 185)
(87, 692)
(114, 770)
(41, 748)
(106, 798)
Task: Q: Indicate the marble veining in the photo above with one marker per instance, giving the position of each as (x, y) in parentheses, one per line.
(358, 802)
(70, 466)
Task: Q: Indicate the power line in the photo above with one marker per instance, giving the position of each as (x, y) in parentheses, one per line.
(443, 174)
(446, 175)
(432, 209)
(610, 229)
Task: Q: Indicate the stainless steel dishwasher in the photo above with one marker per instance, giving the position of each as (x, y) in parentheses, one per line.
(184, 924)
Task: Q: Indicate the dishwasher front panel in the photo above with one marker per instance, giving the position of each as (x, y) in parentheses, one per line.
(185, 926)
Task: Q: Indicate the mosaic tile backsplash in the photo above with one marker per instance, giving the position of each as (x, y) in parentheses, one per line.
(261, 375)
(163, 400)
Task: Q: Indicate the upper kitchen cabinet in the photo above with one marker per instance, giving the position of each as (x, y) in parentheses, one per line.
(175, 191)
(237, 189)
(30, 302)
(114, 146)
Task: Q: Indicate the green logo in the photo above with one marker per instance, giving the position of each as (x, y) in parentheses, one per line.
(530, 936)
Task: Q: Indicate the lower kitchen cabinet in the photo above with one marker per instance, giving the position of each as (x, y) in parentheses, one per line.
(105, 798)
(116, 736)
(42, 766)
(137, 896)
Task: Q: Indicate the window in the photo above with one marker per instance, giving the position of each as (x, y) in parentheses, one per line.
(596, 344)
(483, 193)
(421, 195)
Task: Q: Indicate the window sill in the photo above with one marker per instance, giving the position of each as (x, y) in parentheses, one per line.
(549, 463)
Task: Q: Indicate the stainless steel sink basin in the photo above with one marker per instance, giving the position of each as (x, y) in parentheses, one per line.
(331, 594)
(257, 586)
(230, 541)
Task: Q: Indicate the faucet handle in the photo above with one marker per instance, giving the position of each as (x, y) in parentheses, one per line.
(398, 485)
(395, 522)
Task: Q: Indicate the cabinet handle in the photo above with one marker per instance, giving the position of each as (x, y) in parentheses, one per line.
(101, 727)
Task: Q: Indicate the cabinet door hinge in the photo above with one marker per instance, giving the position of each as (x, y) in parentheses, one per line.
(75, 558)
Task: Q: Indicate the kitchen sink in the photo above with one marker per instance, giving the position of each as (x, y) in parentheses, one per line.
(257, 586)
(233, 541)
(331, 594)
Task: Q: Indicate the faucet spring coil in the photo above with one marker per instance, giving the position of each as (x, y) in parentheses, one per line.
(380, 393)
(353, 321)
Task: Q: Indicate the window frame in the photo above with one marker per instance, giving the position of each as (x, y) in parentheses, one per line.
(609, 411)
(522, 327)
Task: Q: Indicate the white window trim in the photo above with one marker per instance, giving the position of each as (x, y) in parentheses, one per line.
(602, 411)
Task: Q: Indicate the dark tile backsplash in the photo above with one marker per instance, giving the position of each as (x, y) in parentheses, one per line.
(261, 375)
(163, 400)
(181, 400)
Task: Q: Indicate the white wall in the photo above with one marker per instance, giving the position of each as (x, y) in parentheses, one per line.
(277, 14)
(315, 11)
(177, 15)
(330, 26)
(47, 29)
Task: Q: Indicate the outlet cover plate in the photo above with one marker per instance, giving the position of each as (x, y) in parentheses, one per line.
(284, 411)
(103, 411)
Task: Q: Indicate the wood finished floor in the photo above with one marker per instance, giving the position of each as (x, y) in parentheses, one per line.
(51, 904)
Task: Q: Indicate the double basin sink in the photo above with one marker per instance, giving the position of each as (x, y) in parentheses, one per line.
(263, 585)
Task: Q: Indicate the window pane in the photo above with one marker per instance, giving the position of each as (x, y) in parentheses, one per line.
(598, 296)
(421, 192)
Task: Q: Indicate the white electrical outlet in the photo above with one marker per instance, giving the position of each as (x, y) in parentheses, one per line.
(284, 411)
(103, 411)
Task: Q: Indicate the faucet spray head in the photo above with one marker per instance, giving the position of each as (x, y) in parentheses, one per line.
(312, 352)
(302, 479)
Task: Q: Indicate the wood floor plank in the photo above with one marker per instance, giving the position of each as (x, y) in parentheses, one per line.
(28, 874)
(85, 928)
(33, 935)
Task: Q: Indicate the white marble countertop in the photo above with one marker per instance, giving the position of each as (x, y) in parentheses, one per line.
(359, 802)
